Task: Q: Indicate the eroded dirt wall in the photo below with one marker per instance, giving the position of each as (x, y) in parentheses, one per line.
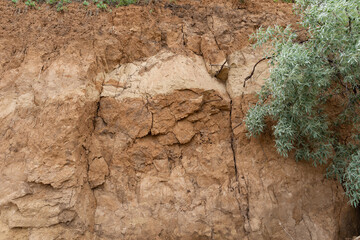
(113, 127)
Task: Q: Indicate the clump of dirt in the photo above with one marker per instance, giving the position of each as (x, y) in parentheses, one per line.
(133, 32)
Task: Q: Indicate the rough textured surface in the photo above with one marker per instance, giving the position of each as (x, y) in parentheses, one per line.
(47, 118)
(172, 172)
(160, 74)
(93, 148)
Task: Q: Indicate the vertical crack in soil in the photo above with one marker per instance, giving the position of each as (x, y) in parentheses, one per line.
(86, 147)
(243, 198)
(232, 142)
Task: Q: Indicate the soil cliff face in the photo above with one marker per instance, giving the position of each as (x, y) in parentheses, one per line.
(114, 126)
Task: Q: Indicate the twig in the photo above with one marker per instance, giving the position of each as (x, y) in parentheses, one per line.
(221, 68)
(238, 125)
(253, 70)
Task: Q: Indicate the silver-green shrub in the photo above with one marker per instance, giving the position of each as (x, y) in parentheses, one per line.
(306, 76)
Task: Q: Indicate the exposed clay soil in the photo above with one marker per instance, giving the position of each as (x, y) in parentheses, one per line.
(98, 145)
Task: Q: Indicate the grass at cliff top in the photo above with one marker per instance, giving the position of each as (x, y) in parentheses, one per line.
(60, 5)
